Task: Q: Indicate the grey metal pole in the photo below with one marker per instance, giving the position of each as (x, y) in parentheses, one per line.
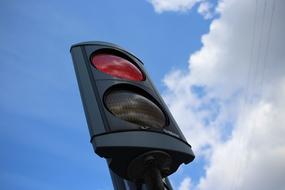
(123, 184)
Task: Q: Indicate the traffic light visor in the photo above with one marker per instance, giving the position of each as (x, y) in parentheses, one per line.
(136, 108)
(117, 66)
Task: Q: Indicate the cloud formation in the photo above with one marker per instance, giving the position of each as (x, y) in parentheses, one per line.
(172, 5)
(230, 104)
(205, 8)
(185, 184)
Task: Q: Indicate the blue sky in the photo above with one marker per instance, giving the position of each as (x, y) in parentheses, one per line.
(44, 139)
(218, 64)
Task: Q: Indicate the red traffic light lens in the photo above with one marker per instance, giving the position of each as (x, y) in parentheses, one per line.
(117, 66)
(135, 108)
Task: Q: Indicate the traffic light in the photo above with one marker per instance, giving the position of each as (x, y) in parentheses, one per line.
(128, 121)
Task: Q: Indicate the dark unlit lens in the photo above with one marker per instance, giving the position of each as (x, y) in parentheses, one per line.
(135, 108)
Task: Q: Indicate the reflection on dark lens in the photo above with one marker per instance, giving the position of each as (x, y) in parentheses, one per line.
(135, 108)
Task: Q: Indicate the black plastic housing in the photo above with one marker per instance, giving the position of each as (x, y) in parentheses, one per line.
(117, 140)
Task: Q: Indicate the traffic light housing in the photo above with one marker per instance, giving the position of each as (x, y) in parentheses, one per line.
(127, 119)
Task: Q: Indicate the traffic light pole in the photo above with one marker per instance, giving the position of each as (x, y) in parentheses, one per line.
(123, 184)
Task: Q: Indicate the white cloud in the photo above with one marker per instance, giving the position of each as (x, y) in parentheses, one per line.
(238, 124)
(205, 10)
(185, 184)
(254, 157)
(205, 7)
(172, 5)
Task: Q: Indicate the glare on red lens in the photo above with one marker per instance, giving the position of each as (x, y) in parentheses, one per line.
(117, 66)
